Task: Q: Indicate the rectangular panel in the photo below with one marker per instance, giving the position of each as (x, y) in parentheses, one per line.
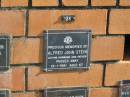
(4, 93)
(4, 53)
(66, 92)
(67, 50)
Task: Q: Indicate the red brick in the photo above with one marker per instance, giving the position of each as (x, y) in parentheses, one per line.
(26, 51)
(14, 3)
(103, 92)
(106, 48)
(103, 2)
(41, 20)
(26, 94)
(12, 22)
(38, 79)
(75, 2)
(124, 2)
(116, 72)
(13, 79)
(18, 78)
(44, 2)
(119, 21)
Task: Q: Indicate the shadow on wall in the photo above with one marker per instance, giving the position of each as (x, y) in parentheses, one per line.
(127, 48)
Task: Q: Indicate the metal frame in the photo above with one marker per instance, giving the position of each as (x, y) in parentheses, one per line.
(66, 32)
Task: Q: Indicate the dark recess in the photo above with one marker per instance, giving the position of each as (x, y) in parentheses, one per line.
(127, 48)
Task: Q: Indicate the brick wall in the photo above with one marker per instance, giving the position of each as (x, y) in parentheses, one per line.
(27, 20)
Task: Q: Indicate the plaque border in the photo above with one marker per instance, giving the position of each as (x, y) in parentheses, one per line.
(46, 33)
(67, 89)
(8, 39)
(6, 90)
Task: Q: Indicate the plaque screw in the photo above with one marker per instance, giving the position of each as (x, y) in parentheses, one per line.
(67, 18)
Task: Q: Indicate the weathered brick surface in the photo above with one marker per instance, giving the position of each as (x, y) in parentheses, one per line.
(18, 78)
(13, 79)
(44, 2)
(12, 22)
(38, 79)
(75, 2)
(26, 94)
(107, 48)
(103, 2)
(124, 2)
(41, 20)
(14, 3)
(116, 72)
(26, 50)
(119, 22)
(103, 92)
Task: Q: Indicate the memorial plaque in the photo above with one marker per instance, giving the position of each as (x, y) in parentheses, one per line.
(66, 92)
(67, 50)
(125, 88)
(4, 93)
(4, 53)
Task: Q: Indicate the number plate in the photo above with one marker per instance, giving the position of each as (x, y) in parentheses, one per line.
(4, 53)
(67, 50)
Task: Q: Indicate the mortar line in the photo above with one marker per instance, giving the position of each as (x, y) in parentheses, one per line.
(125, 47)
(30, 3)
(104, 73)
(26, 79)
(27, 23)
(60, 3)
(65, 8)
(108, 21)
(89, 3)
(0, 2)
(117, 3)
